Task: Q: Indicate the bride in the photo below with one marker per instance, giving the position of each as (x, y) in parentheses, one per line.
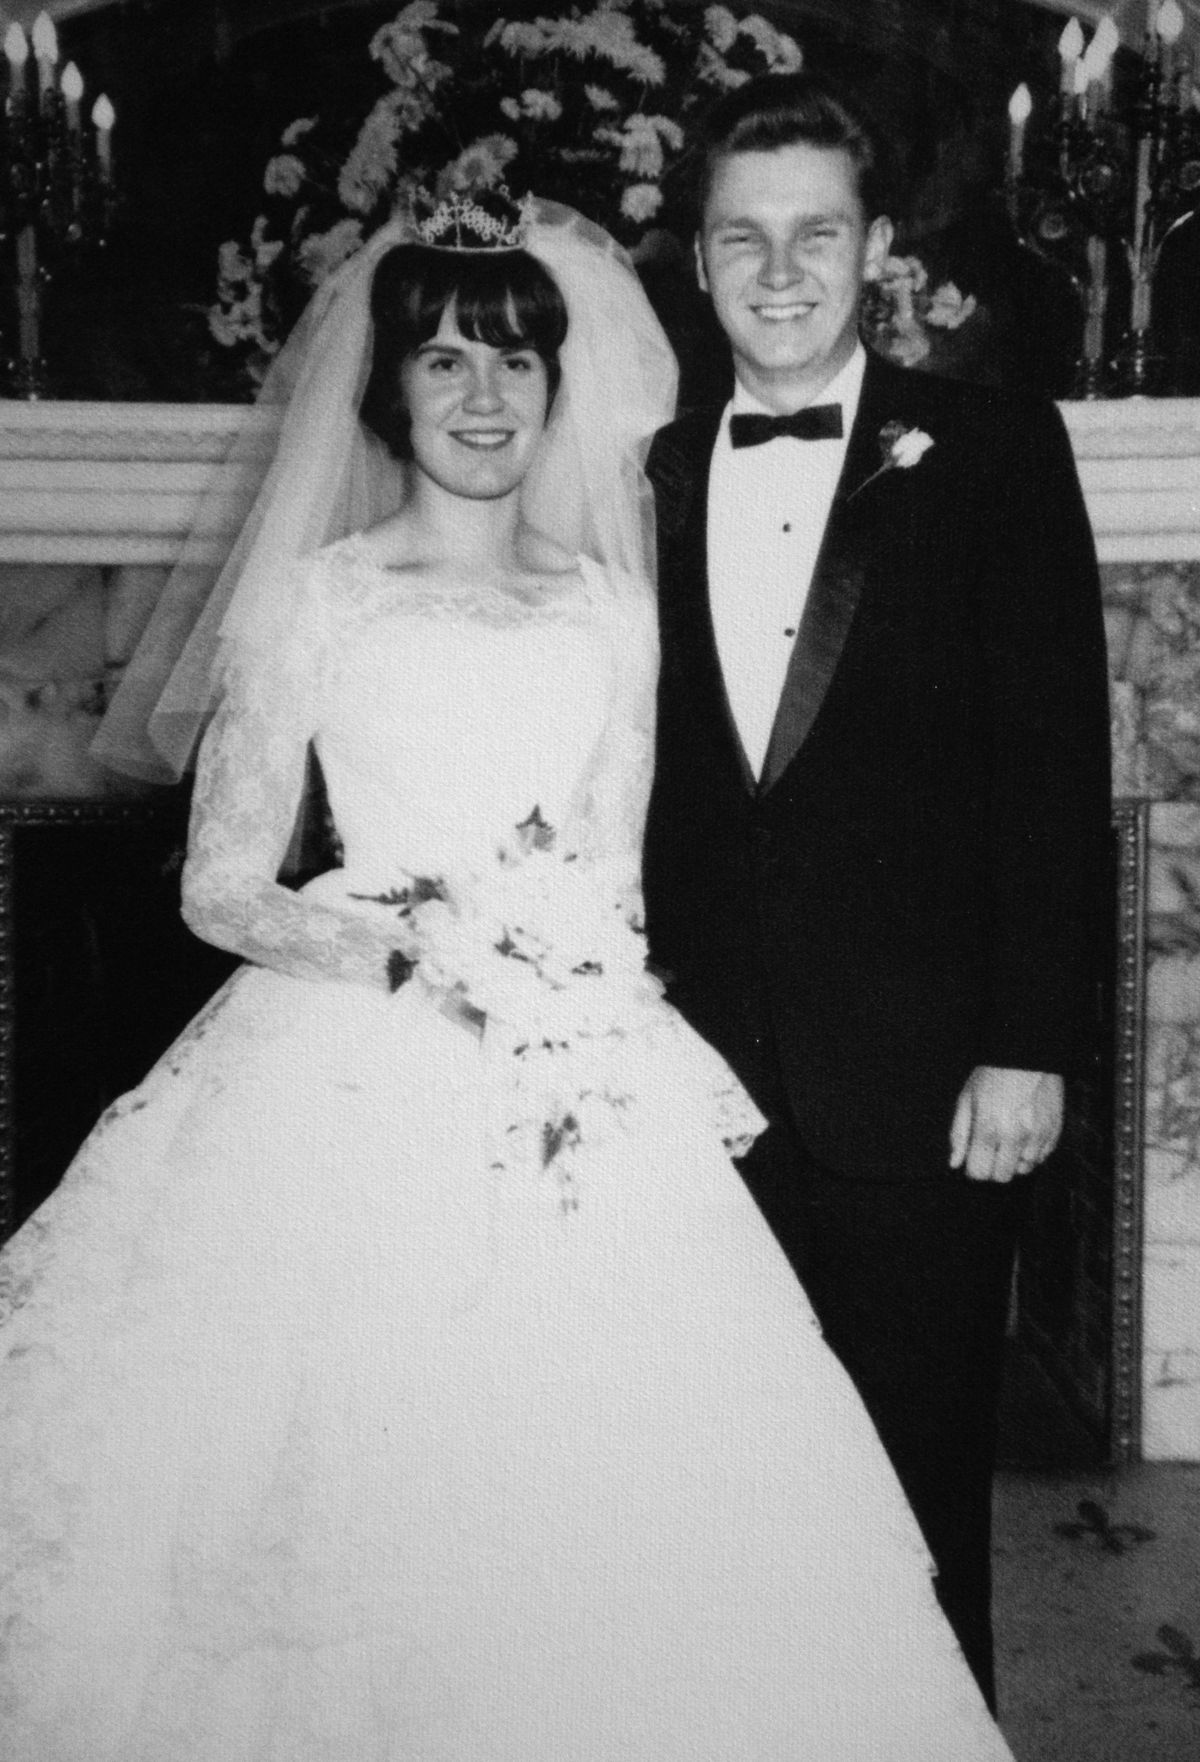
(402, 1372)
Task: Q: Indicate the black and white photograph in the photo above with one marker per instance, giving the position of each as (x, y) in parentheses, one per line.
(599, 881)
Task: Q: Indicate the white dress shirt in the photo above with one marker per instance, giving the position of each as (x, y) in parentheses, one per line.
(768, 506)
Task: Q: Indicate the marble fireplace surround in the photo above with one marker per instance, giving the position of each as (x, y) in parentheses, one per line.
(102, 493)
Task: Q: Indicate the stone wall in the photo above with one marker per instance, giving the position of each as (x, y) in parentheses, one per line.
(1153, 614)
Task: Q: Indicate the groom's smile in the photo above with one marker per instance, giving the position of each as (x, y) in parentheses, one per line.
(784, 248)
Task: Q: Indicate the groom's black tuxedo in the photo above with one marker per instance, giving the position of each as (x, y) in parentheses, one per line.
(914, 887)
(911, 890)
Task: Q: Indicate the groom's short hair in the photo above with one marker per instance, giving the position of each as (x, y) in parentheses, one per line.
(796, 109)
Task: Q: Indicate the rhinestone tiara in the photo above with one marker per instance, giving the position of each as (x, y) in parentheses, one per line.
(460, 224)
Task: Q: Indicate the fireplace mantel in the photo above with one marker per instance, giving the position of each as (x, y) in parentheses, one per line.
(118, 483)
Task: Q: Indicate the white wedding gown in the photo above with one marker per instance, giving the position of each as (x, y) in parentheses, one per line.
(334, 1427)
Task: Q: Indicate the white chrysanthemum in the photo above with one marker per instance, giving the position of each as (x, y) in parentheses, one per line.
(949, 307)
(402, 50)
(321, 253)
(224, 327)
(295, 131)
(601, 99)
(722, 27)
(265, 250)
(479, 166)
(538, 37)
(715, 71)
(238, 321)
(641, 141)
(610, 35)
(233, 266)
(540, 105)
(903, 275)
(781, 53)
(511, 107)
(641, 202)
(284, 175)
(371, 164)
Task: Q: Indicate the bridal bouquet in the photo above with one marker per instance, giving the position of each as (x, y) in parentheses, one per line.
(542, 946)
(542, 951)
(589, 107)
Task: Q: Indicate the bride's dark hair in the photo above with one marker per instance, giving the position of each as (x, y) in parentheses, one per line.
(505, 299)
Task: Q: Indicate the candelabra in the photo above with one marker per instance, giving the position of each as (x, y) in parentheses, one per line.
(57, 193)
(1111, 170)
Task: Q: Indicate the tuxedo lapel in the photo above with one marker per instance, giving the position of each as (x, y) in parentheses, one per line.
(852, 536)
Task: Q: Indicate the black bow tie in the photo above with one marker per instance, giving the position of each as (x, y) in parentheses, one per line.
(814, 422)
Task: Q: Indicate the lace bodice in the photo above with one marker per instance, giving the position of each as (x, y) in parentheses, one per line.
(442, 718)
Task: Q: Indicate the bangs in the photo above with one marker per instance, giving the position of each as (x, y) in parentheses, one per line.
(504, 299)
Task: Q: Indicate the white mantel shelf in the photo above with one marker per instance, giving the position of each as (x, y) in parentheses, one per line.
(119, 483)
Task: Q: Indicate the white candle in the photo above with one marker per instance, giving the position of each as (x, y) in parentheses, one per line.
(71, 86)
(1168, 27)
(1169, 23)
(1020, 106)
(16, 48)
(1070, 48)
(104, 116)
(1079, 89)
(1098, 62)
(45, 48)
(1141, 204)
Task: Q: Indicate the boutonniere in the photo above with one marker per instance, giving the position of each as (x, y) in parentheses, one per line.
(901, 448)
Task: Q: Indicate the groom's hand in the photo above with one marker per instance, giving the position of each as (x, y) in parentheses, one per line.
(1006, 1122)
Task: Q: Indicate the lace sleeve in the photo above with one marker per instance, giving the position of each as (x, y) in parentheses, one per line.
(615, 817)
(249, 781)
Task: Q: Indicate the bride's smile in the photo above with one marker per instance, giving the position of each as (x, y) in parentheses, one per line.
(477, 412)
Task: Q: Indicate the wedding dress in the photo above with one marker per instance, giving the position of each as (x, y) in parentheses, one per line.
(378, 1389)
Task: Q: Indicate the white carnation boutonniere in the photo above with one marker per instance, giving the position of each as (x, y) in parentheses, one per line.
(901, 448)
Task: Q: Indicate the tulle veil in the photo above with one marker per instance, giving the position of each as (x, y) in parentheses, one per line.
(302, 472)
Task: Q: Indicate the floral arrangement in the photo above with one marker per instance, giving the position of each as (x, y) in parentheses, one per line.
(900, 309)
(589, 107)
(542, 956)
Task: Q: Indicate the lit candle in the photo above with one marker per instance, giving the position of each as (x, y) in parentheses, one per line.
(1098, 62)
(1020, 105)
(1168, 27)
(104, 116)
(1170, 22)
(1080, 86)
(71, 86)
(16, 48)
(1070, 48)
(45, 48)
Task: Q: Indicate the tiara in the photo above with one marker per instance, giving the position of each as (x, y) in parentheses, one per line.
(459, 224)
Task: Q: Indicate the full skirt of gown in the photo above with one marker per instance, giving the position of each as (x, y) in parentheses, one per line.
(327, 1436)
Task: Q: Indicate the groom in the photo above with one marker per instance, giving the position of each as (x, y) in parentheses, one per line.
(877, 839)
